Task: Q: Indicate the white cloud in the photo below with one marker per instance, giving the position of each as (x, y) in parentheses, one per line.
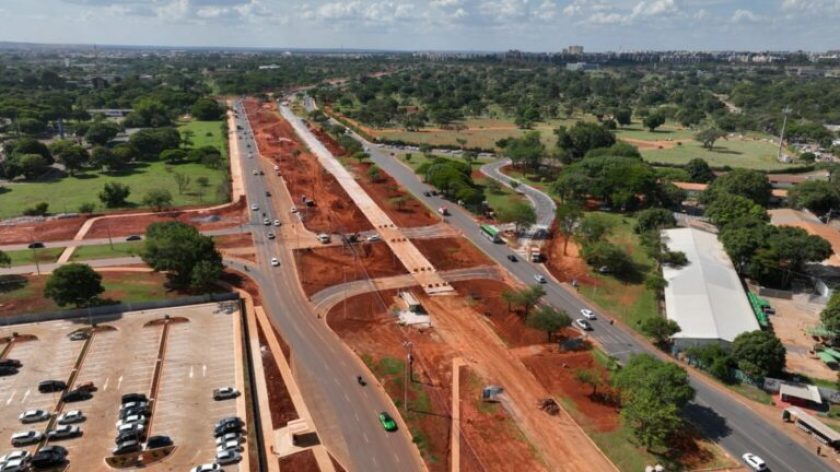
(745, 16)
(654, 8)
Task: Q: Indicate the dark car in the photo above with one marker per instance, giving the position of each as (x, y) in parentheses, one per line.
(54, 449)
(48, 386)
(230, 420)
(76, 396)
(155, 442)
(139, 411)
(6, 371)
(222, 429)
(267, 193)
(512, 258)
(427, 193)
(128, 436)
(36, 245)
(10, 363)
(134, 237)
(133, 397)
(48, 457)
(127, 447)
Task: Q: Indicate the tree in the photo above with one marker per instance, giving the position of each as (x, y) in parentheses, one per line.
(660, 329)
(76, 284)
(101, 133)
(149, 143)
(589, 377)
(148, 112)
(654, 219)
(114, 194)
(28, 146)
(714, 359)
(645, 373)
(652, 421)
(207, 109)
(520, 213)
(399, 201)
(173, 156)
(594, 227)
(582, 138)
(747, 183)
(829, 317)
(5, 260)
(32, 165)
(759, 354)
(569, 215)
(182, 181)
(548, 319)
(187, 136)
(602, 254)
(71, 155)
(816, 195)
(87, 208)
(158, 199)
(727, 209)
(189, 257)
(653, 121)
(708, 137)
(526, 297)
(656, 282)
(699, 171)
(39, 209)
(202, 181)
(623, 116)
(786, 251)
(525, 151)
(374, 173)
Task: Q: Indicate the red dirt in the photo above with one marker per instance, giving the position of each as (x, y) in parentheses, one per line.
(338, 467)
(334, 211)
(328, 141)
(569, 267)
(303, 461)
(282, 408)
(491, 431)
(127, 224)
(233, 241)
(556, 371)
(486, 296)
(323, 267)
(412, 213)
(451, 253)
(51, 230)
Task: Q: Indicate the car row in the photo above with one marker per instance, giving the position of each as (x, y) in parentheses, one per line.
(229, 434)
(9, 367)
(46, 458)
(131, 426)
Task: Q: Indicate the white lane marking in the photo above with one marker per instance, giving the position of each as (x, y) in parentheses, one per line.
(105, 385)
(356, 414)
(119, 382)
(346, 397)
(204, 370)
(11, 397)
(397, 457)
(191, 371)
(25, 395)
(364, 435)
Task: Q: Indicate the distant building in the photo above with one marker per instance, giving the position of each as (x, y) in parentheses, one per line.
(581, 66)
(574, 50)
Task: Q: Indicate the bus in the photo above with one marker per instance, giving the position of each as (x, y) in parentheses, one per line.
(490, 232)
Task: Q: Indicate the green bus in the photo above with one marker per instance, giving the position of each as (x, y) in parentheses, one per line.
(490, 232)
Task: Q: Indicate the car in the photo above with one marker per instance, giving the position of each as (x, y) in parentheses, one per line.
(266, 221)
(267, 193)
(132, 419)
(134, 237)
(133, 398)
(276, 167)
(230, 420)
(128, 436)
(127, 447)
(255, 172)
(294, 210)
(11, 363)
(36, 245)
(221, 430)
(48, 457)
(387, 422)
(136, 428)
(155, 442)
(270, 235)
(6, 370)
(233, 445)
(228, 456)
(14, 456)
(64, 432)
(512, 258)
(79, 335)
(25, 438)
(755, 462)
(255, 207)
(373, 238)
(70, 417)
(49, 386)
(209, 467)
(54, 449)
(275, 262)
(427, 193)
(33, 416)
(540, 278)
(16, 465)
(276, 223)
(77, 395)
(583, 324)
(226, 393)
(229, 437)
(588, 314)
(137, 410)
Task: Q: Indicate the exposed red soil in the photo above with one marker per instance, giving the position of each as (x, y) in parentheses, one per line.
(323, 267)
(127, 224)
(451, 253)
(334, 211)
(287, 352)
(282, 408)
(556, 371)
(303, 461)
(232, 241)
(401, 207)
(486, 297)
(337, 466)
(328, 141)
(566, 268)
(51, 230)
(491, 431)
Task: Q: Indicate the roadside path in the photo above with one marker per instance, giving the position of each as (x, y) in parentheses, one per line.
(542, 203)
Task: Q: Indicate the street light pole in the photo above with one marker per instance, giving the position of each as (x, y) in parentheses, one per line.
(407, 345)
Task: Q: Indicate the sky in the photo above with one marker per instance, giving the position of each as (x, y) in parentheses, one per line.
(479, 25)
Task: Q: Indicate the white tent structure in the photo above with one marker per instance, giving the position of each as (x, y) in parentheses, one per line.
(705, 297)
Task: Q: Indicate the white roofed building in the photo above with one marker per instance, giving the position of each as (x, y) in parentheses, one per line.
(705, 297)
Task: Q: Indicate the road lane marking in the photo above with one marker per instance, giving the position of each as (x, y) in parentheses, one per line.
(11, 397)
(25, 395)
(191, 371)
(204, 370)
(119, 382)
(367, 440)
(105, 385)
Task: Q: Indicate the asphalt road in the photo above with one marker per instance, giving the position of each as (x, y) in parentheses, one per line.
(103, 241)
(543, 204)
(723, 419)
(345, 413)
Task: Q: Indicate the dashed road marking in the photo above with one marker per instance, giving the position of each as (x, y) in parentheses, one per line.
(11, 397)
(25, 395)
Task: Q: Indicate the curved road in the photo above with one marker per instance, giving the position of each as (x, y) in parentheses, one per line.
(722, 417)
(543, 204)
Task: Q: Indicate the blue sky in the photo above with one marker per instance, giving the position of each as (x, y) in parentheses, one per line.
(534, 25)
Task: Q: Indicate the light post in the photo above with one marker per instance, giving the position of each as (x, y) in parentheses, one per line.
(407, 345)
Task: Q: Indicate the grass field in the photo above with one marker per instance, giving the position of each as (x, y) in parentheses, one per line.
(206, 133)
(105, 251)
(27, 256)
(747, 153)
(67, 194)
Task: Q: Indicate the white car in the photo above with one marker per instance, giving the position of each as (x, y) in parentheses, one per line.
(540, 278)
(70, 417)
(211, 467)
(294, 210)
(33, 416)
(255, 172)
(266, 221)
(229, 446)
(255, 207)
(583, 324)
(132, 419)
(275, 262)
(17, 465)
(130, 427)
(588, 314)
(229, 437)
(226, 393)
(63, 432)
(15, 456)
(755, 462)
(25, 438)
(228, 456)
(276, 222)
(373, 238)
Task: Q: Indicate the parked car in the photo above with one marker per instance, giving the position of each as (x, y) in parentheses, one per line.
(512, 258)
(71, 417)
(33, 416)
(229, 437)
(540, 278)
(5, 370)
(233, 445)
(155, 442)
(226, 393)
(209, 467)
(270, 235)
(255, 207)
(276, 223)
(754, 462)
(49, 386)
(25, 438)
(54, 449)
(16, 465)
(266, 221)
(128, 436)
(79, 335)
(133, 397)
(130, 428)
(125, 413)
(221, 430)
(14, 456)
(267, 193)
(588, 314)
(64, 432)
(134, 237)
(36, 245)
(230, 420)
(127, 447)
(228, 456)
(76, 396)
(387, 422)
(373, 238)
(275, 262)
(583, 324)
(11, 363)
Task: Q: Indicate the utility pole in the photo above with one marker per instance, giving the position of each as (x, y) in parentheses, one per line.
(108, 227)
(407, 345)
(786, 111)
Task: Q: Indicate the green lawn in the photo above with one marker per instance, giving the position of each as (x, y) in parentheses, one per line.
(27, 256)
(206, 133)
(665, 132)
(105, 251)
(747, 153)
(751, 392)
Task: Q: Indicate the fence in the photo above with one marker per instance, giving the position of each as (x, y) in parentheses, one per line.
(108, 310)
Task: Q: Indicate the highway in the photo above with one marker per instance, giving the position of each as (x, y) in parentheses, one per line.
(722, 418)
(345, 413)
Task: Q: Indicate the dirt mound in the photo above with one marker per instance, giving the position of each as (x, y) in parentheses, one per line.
(334, 211)
(485, 296)
(323, 267)
(48, 230)
(556, 371)
(566, 268)
(451, 253)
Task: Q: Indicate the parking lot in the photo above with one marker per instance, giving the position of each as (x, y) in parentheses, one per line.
(198, 356)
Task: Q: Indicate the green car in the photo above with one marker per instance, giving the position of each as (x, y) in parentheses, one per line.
(387, 422)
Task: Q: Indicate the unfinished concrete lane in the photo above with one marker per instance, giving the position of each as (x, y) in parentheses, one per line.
(417, 264)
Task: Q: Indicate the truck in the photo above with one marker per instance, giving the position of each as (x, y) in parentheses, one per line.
(443, 211)
(535, 254)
